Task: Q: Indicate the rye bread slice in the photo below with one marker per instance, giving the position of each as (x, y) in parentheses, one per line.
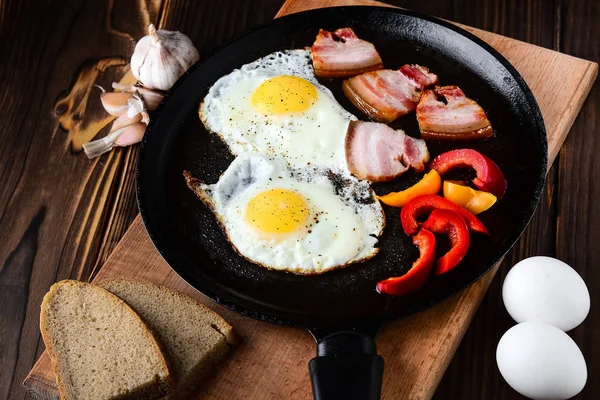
(195, 338)
(99, 347)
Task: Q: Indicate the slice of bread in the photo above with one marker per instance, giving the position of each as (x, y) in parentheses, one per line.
(99, 346)
(194, 337)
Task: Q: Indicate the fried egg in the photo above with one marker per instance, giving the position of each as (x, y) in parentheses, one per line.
(276, 106)
(293, 219)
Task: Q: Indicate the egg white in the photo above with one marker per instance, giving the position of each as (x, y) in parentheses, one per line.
(346, 230)
(314, 137)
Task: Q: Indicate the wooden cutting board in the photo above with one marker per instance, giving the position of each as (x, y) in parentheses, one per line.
(272, 361)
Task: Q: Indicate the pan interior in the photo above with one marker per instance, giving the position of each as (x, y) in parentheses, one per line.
(186, 232)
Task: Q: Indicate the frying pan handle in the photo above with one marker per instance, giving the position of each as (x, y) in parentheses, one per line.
(347, 366)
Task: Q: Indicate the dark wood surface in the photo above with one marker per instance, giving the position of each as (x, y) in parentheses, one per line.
(61, 214)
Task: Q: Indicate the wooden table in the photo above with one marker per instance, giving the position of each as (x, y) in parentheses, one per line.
(61, 214)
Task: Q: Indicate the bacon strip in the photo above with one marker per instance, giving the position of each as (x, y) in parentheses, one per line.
(445, 113)
(378, 153)
(341, 54)
(387, 95)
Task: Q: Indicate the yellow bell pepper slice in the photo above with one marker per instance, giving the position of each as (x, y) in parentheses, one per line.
(473, 200)
(431, 183)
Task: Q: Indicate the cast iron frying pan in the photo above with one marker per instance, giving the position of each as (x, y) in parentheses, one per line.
(187, 235)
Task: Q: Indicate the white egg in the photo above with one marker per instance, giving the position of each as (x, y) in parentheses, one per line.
(276, 106)
(540, 361)
(546, 289)
(294, 220)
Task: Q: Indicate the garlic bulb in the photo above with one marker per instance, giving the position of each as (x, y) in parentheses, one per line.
(161, 57)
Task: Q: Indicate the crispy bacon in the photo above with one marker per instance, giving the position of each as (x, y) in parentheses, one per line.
(378, 153)
(341, 54)
(387, 95)
(445, 113)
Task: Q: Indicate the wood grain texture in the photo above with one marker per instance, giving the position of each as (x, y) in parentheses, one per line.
(578, 212)
(417, 349)
(53, 203)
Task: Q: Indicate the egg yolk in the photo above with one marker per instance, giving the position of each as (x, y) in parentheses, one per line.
(277, 211)
(283, 95)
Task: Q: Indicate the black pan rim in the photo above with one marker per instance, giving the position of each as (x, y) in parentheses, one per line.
(538, 122)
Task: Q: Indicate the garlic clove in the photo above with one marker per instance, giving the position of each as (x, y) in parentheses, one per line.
(115, 103)
(151, 97)
(122, 136)
(124, 121)
(98, 147)
(136, 106)
(124, 88)
(132, 134)
(161, 57)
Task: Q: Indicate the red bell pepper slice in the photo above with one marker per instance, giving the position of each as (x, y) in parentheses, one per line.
(429, 202)
(420, 270)
(489, 177)
(451, 224)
